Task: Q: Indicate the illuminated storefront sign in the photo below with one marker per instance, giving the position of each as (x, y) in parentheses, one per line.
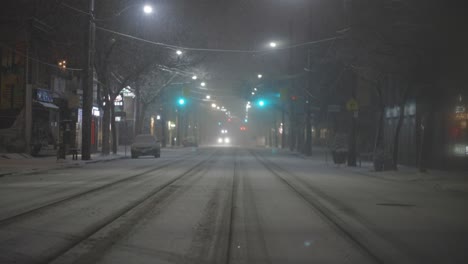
(96, 111)
(461, 116)
(43, 95)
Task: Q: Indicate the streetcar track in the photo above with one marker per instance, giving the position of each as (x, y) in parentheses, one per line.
(104, 243)
(49, 205)
(251, 241)
(232, 203)
(320, 208)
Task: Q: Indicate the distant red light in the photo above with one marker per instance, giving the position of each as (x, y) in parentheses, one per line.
(294, 98)
(454, 133)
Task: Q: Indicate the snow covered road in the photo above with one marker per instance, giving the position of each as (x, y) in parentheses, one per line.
(226, 205)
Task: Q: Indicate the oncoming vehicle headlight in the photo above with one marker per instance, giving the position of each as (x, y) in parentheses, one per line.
(220, 140)
(227, 140)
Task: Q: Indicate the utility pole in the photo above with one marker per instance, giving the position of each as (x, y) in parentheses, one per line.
(308, 135)
(28, 101)
(352, 144)
(88, 87)
(283, 126)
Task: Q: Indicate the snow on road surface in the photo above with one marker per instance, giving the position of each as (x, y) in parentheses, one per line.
(226, 205)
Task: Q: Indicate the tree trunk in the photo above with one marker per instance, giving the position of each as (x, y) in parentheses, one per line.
(396, 138)
(379, 155)
(163, 128)
(105, 127)
(113, 126)
(352, 142)
(308, 127)
(137, 125)
(421, 156)
(379, 136)
(141, 118)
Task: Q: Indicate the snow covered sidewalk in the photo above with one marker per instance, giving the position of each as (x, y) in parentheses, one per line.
(13, 164)
(439, 179)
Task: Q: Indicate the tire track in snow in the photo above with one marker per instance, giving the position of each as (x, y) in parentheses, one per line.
(297, 186)
(52, 204)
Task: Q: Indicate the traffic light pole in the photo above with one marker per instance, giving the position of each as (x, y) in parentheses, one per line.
(283, 132)
(88, 88)
(178, 126)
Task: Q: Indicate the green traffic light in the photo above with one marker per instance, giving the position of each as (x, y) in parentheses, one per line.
(181, 101)
(261, 103)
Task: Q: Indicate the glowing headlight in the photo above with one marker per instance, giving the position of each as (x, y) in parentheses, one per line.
(220, 140)
(227, 140)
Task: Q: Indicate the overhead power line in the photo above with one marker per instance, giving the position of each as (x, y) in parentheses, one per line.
(175, 47)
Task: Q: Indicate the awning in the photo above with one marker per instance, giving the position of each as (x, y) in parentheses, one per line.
(48, 105)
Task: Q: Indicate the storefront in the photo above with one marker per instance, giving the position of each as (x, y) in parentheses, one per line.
(45, 121)
(458, 131)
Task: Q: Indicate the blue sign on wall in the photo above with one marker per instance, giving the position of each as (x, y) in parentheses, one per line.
(43, 95)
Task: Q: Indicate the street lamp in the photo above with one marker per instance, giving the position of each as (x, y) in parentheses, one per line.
(213, 105)
(89, 78)
(179, 52)
(208, 97)
(273, 44)
(203, 84)
(259, 76)
(194, 77)
(147, 9)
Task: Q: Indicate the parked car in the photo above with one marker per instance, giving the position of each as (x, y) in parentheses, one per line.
(145, 144)
(190, 142)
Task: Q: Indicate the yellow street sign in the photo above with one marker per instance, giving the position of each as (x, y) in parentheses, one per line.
(352, 105)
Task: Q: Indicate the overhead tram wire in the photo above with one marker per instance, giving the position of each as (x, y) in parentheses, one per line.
(175, 47)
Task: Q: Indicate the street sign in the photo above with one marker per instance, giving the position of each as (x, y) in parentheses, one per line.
(352, 105)
(334, 108)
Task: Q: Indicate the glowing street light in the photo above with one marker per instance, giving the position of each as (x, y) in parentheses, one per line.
(213, 105)
(259, 76)
(203, 84)
(179, 52)
(273, 44)
(148, 9)
(208, 97)
(194, 77)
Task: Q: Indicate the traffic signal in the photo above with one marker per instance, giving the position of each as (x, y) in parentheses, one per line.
(261, 103)
(181, 101)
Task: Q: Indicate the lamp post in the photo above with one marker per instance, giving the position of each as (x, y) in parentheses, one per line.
(89, 79)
